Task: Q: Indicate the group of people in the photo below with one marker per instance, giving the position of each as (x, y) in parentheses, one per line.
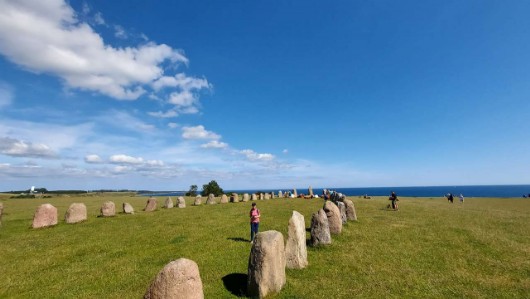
(450, 197)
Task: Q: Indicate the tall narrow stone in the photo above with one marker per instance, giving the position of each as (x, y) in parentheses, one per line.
(211, 199)
(320, 229)
(280, 194)
(151, 204)
(45, 215)
(261, 196)
(245, 197)
(180, 279)
(310, 191)
(295, 193)
(76, 213)
(198, 200)
(350, 210)
(234, 197)
(181, 202)
(108, 209)
(224, 198)
(254, 196)
(266, 265)
(267, 196)
(342, 210)
(168, 204)
(333, 213)
(296, 249)
(1, 212)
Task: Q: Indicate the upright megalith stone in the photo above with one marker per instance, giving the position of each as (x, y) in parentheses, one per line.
(310, 191)
(211, 199)
(151, 204)
(127, 208)
(253, 196)
(267, 196)
(245, 197)
(181, 203)
(261, 196)
(45, 215)
(1, 212)
(280, 194)
(320, 229)
(76, 213)
(342, 209)
(224, 199)
(108, 209)
(295, 193)
(333, 213)
(272, 194)
(168, 204)
(350, 210)
(296, 249)
(266, 265)
(234, 197)
(180, 279)
(198, 201)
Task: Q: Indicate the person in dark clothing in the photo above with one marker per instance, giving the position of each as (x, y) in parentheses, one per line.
(450, 197)
(393, 197)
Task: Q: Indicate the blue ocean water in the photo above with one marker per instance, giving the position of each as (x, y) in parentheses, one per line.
(427, 191)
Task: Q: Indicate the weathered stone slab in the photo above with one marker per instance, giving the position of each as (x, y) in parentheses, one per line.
(334, 220)
(342, 210)
(168, 204)
(180, 279)
(108, 209)
(45, 215)
(198, 201)
(127, 208)
(267, 196)
(224, 198)
(280, 194)
(1, 212)
(76, 213)
(320, 234)
(266, 265)
(261, 196)
(151, 204)
(181, 203)
(211, 199)
(246, 197)
(350, 210)
(234, 197)
(310, 191)
(295, 193)
(254, 196)
(296, 249)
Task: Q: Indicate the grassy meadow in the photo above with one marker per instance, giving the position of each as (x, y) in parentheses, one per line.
(427, 249)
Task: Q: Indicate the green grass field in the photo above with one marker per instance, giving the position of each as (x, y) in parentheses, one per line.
(428, 249)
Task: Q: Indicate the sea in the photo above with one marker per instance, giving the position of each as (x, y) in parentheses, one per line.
(424, 191)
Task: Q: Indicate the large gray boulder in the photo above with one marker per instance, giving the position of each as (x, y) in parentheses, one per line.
(211, 199)
(350, 210)
(127, 208)
(320, 229)
(296, 249)
(342, 209)
(181, 203)
(151, 204)
(245, 197)
(168, 204)
(180, 279)
(108, 209)
(198, 201)
(224, 199)
(76, 213)
(334, 219)
(266, 265)
(45, 215)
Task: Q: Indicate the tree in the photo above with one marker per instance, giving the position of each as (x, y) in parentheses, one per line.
(212, 187)
(192, 191)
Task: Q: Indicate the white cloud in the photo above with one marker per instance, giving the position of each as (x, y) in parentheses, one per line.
(182, 82)
(98, 19)
(124, 120)
(173, 125)
(71, 50)
(124, 159)
(253, 156)
(285, 151)
(93, 159)
(198, 132)
(19, 148)
(6, 94)
(119, 32)
(214, 144)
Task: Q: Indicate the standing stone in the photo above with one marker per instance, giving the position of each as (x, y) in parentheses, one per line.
(266, 265)
(76, 213)
(295, 193)
(211, 199)
(180, 279)
(272, 194)
(45, 215)
(254, 197)
(169, 203)
(310, 191)
(181, 202)
(224, 198)
(261, 196)
(350, 210)
(1, 212)
(245, 197)
(342, 210)
(234, 197)
(280, 194)
(296, 249)
(267, 196)
(151, 204)
(127, 208)
(198, 200)
(320, 229)
(108, 209)
(333, 213)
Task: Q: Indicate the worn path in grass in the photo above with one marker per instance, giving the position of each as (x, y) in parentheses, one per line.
(428, 249)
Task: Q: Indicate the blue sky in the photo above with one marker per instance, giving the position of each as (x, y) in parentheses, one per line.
(161, 95)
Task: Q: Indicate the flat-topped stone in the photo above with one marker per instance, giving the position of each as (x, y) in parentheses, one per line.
(108, 209)
(296, 249)
(266, 265)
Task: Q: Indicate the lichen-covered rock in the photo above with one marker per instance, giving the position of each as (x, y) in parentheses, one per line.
(198, 201)
(76, 213)
(211, 199)
(179, 279)
(350, 210)
(320, 234)
(267, 196)
(45, 215)
(234, 197)
(296, 249)
(342, 210)
(108, 209)
(254, 197)
(127, 208)
(168, 204)
(224, 198)
(334, 219)
(151, 204)
(245, 197)
(261, 196)
(266, 265)
(181, 203)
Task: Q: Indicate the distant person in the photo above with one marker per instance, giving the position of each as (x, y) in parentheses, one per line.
(254, 221)
(461, 198)
(393, 197)
(450, 197)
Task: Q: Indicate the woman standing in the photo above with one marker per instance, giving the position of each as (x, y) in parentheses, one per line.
(254, 221)
(394, 199)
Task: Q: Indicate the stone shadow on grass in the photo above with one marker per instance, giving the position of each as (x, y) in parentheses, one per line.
(236, 283)
(238, 239)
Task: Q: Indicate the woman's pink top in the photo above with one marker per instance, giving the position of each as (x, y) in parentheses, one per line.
(254, 215)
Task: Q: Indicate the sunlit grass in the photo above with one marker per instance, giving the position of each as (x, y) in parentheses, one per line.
(429, 248)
